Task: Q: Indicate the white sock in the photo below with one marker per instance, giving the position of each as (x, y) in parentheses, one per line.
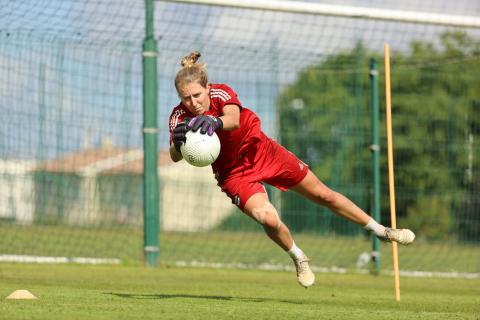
(376, 227)
(295, 252)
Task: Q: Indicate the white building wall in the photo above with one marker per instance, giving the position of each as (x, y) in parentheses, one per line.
(190, 199)
(16, 191)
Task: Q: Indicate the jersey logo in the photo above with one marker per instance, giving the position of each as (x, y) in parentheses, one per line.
(174, 118)
(219, 93)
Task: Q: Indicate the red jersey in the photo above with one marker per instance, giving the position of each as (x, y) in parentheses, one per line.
(235, 143)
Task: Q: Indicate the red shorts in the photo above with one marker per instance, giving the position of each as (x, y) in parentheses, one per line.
(268, 163)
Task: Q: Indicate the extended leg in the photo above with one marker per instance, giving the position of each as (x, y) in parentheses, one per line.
(312, 188)
(259, 208)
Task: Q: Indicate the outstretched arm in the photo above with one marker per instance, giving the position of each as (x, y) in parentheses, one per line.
(231, 117)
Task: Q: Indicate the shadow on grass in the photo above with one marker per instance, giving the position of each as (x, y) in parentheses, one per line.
(193, 296)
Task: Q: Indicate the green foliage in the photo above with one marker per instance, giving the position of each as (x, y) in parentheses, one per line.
(435, 92)
(432, 216)
(325, 120)
(315, 110)
(316, 117)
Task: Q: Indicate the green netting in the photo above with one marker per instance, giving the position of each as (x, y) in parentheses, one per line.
(71, 134)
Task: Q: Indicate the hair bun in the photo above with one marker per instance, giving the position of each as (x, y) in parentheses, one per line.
(189, 60)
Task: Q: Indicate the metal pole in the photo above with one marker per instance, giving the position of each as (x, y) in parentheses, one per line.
(356, 12)
(150, 143)
(375, 149)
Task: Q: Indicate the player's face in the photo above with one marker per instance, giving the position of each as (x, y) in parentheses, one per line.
(195, 97)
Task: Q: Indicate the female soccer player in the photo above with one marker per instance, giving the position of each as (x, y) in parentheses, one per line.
(248, 158)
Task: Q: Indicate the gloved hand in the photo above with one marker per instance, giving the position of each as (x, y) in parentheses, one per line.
(179, 132)
(206, 123)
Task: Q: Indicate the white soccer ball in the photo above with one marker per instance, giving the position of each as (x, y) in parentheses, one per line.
(200, 150)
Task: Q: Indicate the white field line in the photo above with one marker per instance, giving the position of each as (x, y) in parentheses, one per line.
(219, 265)
(434, 274)
(43, 259)
(263, 266)
(279, 267)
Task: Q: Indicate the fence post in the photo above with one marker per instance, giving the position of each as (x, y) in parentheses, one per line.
(150, 143)
(375, 150)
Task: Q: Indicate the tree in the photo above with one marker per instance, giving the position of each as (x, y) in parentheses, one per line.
(325, 120)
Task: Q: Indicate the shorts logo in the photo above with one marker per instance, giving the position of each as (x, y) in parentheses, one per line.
(301, 165)
(236, 200)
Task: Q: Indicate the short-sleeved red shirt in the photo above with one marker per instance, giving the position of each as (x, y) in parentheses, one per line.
(234, 143)
(247, 158)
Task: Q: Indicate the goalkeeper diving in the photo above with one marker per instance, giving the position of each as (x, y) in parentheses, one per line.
(249, 159)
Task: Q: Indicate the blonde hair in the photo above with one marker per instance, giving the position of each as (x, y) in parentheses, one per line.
(191, 71)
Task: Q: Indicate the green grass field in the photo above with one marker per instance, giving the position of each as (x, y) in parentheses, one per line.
(135, 292)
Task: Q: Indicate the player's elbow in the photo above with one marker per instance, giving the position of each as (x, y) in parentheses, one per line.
(233, 123)
(236, 124)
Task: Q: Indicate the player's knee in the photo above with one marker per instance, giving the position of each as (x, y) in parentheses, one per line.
(267, 216)
(272, 221)
(327, 197)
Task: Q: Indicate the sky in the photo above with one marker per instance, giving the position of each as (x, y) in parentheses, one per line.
(71, 71)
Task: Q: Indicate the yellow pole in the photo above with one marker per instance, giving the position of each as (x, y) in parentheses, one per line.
(390, 169)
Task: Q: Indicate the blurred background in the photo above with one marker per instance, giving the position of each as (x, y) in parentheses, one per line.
(71, 141)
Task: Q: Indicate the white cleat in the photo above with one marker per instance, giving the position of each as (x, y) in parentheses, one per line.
(305, 276)
(402, 236)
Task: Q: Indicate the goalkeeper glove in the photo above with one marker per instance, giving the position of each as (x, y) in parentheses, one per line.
(179, 132)
(206, 123)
